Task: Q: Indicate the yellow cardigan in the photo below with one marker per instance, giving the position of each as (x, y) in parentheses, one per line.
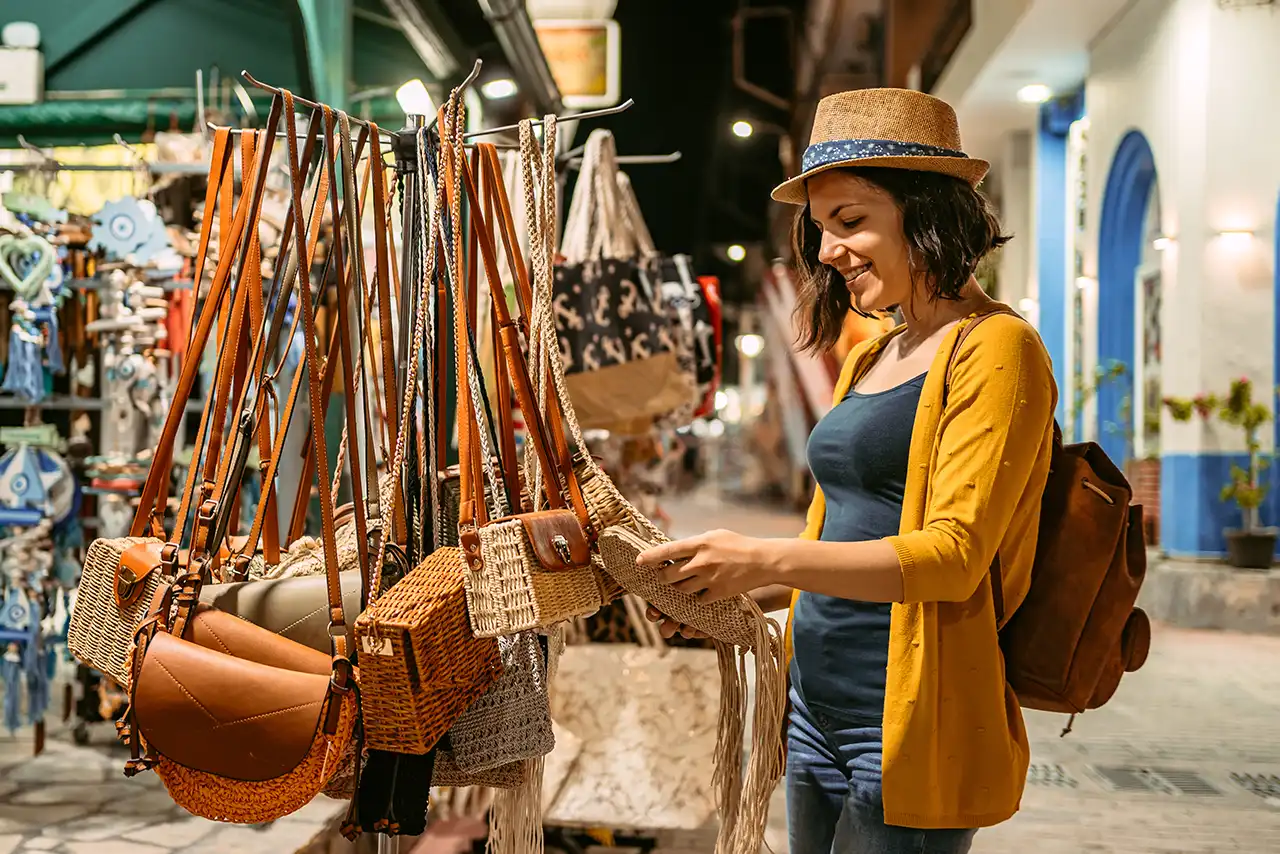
(955, 748)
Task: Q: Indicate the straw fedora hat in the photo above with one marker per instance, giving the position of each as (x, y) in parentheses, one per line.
(897, 128)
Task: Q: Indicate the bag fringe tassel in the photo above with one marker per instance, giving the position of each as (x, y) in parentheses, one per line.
(742, 801)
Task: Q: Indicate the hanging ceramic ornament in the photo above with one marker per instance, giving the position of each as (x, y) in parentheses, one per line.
(129, 229)
(36, 479)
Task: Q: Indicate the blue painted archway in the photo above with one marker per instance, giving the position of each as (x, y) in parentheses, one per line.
(1120, 237)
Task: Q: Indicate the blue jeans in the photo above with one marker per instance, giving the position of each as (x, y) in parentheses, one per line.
(834, 801)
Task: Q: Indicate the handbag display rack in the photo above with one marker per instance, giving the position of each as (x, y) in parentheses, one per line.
(400, 650)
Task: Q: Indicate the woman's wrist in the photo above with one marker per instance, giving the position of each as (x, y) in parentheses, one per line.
(774, 561)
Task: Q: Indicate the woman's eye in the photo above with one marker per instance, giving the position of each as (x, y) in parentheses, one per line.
(852, 223)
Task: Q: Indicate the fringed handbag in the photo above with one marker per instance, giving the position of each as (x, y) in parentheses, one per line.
(737, 626)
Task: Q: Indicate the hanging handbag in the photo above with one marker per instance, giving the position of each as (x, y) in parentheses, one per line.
(421, 665)
(612, 336)
(245, 726)
(737, 625)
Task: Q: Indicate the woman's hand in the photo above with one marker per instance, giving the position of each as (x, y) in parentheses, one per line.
(714, 566)
(669, 628)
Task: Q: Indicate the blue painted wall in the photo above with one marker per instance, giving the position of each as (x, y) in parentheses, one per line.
(1053, 265)
(1192, 517)
(1124, 208)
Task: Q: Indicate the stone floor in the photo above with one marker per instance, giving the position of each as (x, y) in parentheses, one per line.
(74, 800)
(1185, 760)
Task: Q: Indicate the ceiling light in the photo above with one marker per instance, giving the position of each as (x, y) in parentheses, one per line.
(1235, 236)
(1034, 93)
(496, 90)
(1162, 243)
(736, 252)
(743, 129)
(415, 100)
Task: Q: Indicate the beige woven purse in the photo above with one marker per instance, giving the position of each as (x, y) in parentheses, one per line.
(526, 570)
(737, 626)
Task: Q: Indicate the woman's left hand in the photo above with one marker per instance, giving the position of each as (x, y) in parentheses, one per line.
(715, 565)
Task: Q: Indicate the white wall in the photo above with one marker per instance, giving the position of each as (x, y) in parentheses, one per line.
(1201, 84)
(1017, 217)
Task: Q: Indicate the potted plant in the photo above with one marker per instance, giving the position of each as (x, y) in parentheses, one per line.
(1252, 546)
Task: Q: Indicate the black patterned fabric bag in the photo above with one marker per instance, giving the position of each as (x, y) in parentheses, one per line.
(617, 341)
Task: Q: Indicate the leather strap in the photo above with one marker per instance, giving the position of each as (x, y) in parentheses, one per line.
(524, 297)
(247, 209)
(511, 345)
(287, 275)
(382, 262)
(556, 461)
(337, 617)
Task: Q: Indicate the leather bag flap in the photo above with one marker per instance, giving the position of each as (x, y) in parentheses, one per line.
(227, 716)
(557, 538)
(136, 564)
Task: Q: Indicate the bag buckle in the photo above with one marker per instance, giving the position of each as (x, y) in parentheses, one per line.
(125, 582)
(561, 544)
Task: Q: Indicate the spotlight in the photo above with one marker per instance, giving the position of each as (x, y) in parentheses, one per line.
(743, 129)
(496, 90)
(736, 252)
(415, 100)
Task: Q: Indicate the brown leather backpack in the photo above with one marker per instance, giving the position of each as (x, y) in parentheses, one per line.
(1077, 631)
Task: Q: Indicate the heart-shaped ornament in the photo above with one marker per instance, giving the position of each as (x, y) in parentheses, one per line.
(36, 251)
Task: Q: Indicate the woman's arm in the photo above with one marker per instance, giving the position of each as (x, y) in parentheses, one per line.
(721, 564)
(992, 435)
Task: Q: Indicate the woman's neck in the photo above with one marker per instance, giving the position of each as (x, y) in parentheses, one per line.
(925, 316)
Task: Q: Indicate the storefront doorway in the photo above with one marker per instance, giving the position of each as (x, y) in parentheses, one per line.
(1124, 240)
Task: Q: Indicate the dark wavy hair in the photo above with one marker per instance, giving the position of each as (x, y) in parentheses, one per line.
(949, 227)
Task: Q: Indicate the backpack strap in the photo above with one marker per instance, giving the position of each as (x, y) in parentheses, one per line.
(966, 327)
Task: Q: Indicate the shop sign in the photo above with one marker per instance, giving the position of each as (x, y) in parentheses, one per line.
(585, 59)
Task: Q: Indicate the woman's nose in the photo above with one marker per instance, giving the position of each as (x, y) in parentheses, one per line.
(830, 249)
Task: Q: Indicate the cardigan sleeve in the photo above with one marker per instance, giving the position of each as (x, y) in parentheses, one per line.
(998, 413)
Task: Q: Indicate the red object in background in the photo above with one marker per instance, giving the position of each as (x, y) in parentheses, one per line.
(711, 293)
(177, 323)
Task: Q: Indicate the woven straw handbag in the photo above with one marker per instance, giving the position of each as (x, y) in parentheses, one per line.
(526, 570)
(121, 576)
(241, 724)
(737, 626)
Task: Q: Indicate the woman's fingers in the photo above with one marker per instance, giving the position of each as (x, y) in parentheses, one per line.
(669, 628)
(668, 552)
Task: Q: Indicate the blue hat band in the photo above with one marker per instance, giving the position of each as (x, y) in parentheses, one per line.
(843, 150)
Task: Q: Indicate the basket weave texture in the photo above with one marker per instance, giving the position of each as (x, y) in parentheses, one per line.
(435, 667)
(101, 634)
(625, 534)
(253, 802)
(512, 720)
(511, 594)
(447, 774)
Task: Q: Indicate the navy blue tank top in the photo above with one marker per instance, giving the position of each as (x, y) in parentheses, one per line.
(858, 455)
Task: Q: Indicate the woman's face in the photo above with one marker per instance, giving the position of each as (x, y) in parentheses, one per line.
(862, 239)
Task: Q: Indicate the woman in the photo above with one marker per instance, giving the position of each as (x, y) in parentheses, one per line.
(904, 736)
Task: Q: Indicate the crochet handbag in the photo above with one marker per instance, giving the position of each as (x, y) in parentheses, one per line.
(737, 625)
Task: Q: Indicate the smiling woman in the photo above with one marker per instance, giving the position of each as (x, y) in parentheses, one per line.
(891, 225)
(931, 466)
